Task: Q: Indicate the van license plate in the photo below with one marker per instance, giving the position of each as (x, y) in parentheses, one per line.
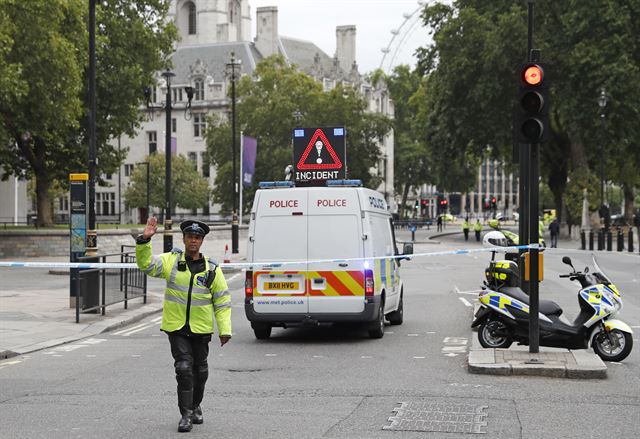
(270, 286)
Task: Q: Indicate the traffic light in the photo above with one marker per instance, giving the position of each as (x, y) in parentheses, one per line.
(532, 122)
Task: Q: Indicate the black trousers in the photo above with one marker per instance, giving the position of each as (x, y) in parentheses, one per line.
(190, 363)
(466, 234)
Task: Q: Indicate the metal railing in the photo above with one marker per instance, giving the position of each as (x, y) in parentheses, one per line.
(97, 288)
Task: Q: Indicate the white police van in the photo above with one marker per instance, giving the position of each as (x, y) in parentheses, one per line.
(322, 255)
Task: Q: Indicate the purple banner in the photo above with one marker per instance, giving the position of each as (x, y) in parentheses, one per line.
(249, 152)
(174, 146)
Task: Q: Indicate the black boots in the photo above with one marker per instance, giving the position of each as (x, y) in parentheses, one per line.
(197, 415)
(185, 402)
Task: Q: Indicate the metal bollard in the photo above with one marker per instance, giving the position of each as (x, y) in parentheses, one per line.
(609, 241)
(620, 241)
(583, 240)
(600, 239)
(590, 239)
(630, 241)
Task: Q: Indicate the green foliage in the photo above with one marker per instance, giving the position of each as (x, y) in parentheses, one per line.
(471, 83)
(43, 116)
(190, 189)
(265, 108)
(574, 194)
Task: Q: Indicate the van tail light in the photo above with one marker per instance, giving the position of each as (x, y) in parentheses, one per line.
(248, 284)
(368, 283)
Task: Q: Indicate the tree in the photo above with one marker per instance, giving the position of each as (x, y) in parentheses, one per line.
(190, 189)
(472, 80)
(45, 128)
(412, 163)
(267, 101)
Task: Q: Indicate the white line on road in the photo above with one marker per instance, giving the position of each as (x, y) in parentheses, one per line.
(140, 329)
(270, 355)
(365, 356)
(128, 329)
(470, 292)
(412, 335)
(157, 319)
(233, 277)
(465, 301)
(636, 326)
(419, 358)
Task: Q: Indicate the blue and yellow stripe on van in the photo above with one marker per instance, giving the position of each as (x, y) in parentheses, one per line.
(385, 274)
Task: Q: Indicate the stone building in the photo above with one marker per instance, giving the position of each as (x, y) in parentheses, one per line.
(210, 31)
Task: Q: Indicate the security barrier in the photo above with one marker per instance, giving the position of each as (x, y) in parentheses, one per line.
(608, 236)
(97, 288)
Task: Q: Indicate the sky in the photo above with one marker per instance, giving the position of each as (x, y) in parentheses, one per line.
(316, 21)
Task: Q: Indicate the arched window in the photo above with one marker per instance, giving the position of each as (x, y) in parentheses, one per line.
(198, 94)
(192, 18)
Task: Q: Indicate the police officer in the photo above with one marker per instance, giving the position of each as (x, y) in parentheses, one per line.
(465, 228)
(477, 227)
(196, 292)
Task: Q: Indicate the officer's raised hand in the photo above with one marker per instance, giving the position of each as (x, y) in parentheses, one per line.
(151, 228)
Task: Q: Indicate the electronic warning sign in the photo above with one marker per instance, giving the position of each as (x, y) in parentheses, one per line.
(319, 154)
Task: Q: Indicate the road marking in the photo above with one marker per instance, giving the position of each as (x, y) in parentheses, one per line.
(140, 329)
(90, 356)
(233, 277)
(636, 326)
(129, 329)
(155, 335)
(8, 363)
(455, 340)
(412, 335)
(318, 356)
(270, 355)
(388, 332)
(365, 356)
(465, 301)
(454, 349)
(419, 358)
(470, 292)
(431, 332)
(93, 340)
(451, 354)
(135, 356)
(157, 319)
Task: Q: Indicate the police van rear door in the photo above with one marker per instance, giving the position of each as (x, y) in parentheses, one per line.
(280, 236)
(335, 232)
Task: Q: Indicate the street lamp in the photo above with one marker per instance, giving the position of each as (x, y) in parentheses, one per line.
(602, 103)
(233, 68)
(148, 189)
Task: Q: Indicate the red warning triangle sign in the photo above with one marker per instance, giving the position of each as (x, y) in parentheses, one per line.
(319, 136)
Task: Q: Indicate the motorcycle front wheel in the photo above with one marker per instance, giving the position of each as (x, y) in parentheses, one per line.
(615, 345)
(494, 334)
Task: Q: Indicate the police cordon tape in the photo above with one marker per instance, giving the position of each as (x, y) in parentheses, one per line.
(266, 264)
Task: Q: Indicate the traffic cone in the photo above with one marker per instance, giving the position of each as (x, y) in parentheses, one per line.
(226, 259)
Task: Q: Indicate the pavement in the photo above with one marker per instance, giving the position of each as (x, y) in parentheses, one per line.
(41, 318)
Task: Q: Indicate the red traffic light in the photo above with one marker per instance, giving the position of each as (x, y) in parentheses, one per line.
(493, 200)
(532, 74)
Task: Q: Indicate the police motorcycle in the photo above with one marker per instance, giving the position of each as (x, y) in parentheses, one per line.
(503, 316)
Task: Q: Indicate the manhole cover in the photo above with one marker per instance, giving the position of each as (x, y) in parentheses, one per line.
(439, 416)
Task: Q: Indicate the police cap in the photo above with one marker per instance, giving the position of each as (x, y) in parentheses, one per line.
(194, 227)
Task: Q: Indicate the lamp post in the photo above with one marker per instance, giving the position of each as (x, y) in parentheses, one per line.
(92, 234)
(148, 188)
(168, 237)
(232, 68)
(602, 103)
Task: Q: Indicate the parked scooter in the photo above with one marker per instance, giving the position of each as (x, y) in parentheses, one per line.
(504, 317)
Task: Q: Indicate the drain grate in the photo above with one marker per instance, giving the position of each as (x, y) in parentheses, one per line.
(439, 416)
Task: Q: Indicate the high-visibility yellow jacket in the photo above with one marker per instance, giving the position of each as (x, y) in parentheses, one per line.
(477, 227)
(187, 292)
(465, 225)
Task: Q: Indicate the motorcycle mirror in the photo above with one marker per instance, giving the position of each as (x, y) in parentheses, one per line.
(586, 270)
(567, 260)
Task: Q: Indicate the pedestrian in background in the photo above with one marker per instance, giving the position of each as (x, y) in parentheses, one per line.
(465, 228)
(554, 230)
(196, 292)
(477, 227)
(439, 223)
